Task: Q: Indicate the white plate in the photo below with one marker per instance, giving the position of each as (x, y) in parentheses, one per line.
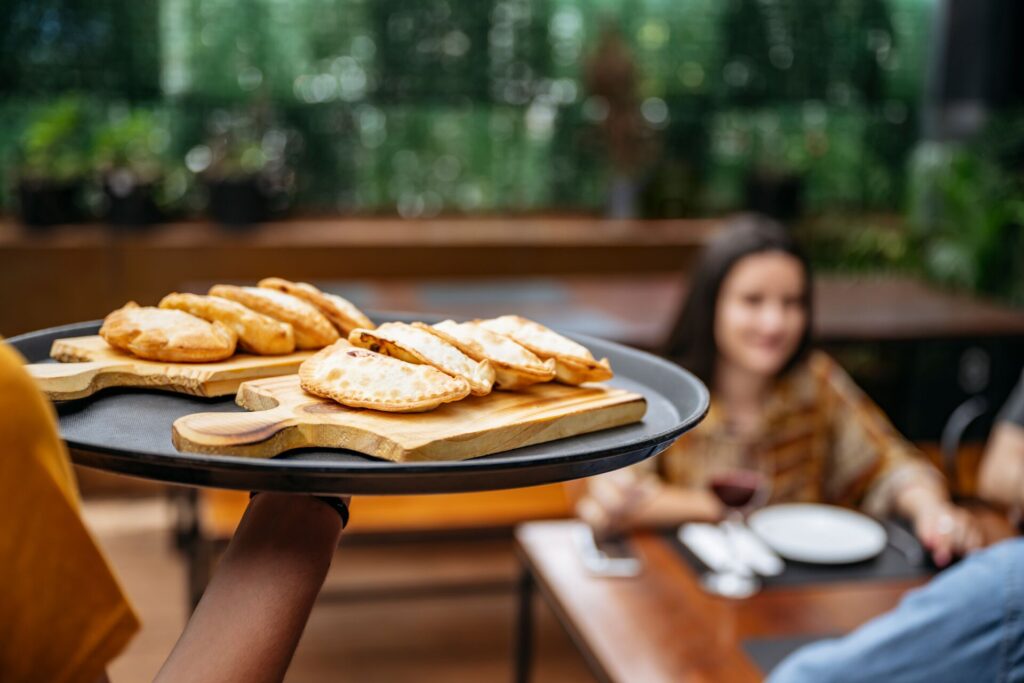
(819, 534)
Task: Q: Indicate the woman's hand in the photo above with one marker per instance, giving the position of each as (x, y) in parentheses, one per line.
(608, 503)
(946, 530)
(621, 501)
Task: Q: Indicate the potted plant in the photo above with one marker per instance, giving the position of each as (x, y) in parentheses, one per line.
(774, 185)
(968, 212)
(52, 164)
(245, 171)
(129, 154)
(775, 192)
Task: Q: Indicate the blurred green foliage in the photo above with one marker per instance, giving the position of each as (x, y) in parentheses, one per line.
(54, 146)
(964, 226)
(135, 145)
(424, 106)
(967, 211)
(860, 243)
(134, 139)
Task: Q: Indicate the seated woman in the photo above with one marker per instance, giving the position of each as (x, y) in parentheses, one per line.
(777, 405)
(965, 624)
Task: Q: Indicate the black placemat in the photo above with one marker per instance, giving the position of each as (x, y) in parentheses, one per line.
(892, 563)
(766, 653)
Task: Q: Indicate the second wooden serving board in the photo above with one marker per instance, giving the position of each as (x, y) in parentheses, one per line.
(89, 364)
(287, 417)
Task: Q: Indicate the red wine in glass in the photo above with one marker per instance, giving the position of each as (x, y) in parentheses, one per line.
(736, 489)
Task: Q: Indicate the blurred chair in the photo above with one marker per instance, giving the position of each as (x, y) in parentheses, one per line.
(960, 420)
(961, 465)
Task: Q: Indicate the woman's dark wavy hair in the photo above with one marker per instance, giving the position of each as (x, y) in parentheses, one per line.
(693, 340)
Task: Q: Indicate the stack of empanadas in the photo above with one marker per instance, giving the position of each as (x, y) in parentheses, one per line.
(574, 364)
(312, 328)
(338, 310)
(415, 344)
(257, 333)
(514, 366)
(397, 367)
(275, 318)
(402, 367)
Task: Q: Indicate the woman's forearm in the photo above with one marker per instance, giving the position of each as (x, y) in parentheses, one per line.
(1001, 477)
(613, 506)
(914, 496)
(673, 505)
(250, 619)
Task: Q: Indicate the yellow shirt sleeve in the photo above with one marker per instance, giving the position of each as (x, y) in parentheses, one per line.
(63, 614)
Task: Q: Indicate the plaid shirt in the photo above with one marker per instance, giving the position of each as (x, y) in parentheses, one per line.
(825, 441)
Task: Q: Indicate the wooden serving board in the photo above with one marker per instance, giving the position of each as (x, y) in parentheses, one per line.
(91, 364)
(287, 417)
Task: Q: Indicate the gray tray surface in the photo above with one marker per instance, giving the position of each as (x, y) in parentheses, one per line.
(129, 431)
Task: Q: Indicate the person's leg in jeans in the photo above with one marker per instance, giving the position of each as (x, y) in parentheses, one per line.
(967, 624)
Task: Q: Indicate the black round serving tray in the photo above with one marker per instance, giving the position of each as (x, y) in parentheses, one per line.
(129, 431)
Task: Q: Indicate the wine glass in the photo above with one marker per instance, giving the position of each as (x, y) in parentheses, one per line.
(742, 482)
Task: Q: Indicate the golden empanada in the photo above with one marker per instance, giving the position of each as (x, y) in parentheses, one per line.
(312, 330)
(257, 333)
(415, 345)
(514, 365)
(340, 311)
(165, 335)
(361, 378)
(574, 364)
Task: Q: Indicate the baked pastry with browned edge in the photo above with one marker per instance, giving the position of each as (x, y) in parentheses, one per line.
(342, 313)
(166, 335)
(574, 363)
(360, 378)
(416, 345)
(312, 329)
(257, 333)
(514, 365)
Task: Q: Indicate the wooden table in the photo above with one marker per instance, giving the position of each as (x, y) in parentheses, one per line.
(661, 627)
(894, 308)
(72, 273)
(641, 309)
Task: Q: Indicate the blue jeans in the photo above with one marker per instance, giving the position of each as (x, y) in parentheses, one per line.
(967, 625)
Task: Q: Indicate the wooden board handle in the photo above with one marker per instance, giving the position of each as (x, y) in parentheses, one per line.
(264, 433)
(68, 381)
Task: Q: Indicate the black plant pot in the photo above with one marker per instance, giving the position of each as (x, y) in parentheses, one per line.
(130, 205)
(238, 202)
(42, 203)
(779, 195)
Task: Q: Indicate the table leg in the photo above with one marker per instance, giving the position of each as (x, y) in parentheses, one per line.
(186, 511)
(524, 627)
(190, 540)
